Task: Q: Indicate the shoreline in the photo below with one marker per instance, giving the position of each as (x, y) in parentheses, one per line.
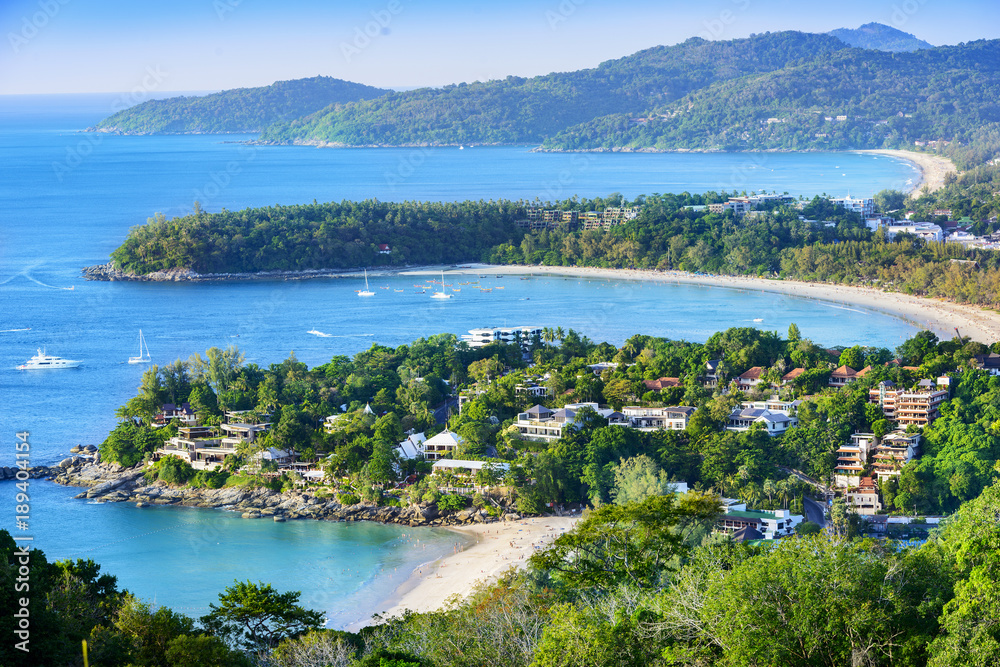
(491, 551)
(937, 315)
(932, 169)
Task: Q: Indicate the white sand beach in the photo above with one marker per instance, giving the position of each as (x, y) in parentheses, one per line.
(933, 168)
(937, 315)
(495, 548)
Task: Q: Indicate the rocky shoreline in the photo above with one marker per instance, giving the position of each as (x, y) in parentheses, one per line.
(107, 272)
(112, 483)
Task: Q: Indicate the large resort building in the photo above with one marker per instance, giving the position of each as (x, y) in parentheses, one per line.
(918, 407)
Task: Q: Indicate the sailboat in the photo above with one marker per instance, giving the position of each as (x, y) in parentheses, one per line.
(143, 357)
(366, 291)
(442, 294)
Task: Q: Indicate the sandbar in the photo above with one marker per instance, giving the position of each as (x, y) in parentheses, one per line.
(933, 168)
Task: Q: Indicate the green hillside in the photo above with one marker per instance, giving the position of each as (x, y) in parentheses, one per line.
(518, 110)
(883, 99)
(239, 110)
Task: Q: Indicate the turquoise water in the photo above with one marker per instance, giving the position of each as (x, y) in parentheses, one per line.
(183, 558)
(67, 199)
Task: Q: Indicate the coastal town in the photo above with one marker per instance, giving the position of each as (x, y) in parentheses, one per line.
(428, 476)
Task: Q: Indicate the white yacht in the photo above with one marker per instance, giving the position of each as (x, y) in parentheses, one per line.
(442, 294)
(366, 291)
(42, 361)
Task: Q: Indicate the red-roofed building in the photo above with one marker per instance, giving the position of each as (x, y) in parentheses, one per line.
(843, 376)
(792, 375)
(864, 497)
(750, 379)
(383, 248)
(662, 383)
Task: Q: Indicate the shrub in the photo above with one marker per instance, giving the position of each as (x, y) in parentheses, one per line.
(348, 499)
(173, 470)
(451, 503)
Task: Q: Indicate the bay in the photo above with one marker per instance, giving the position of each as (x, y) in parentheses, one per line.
(68, 198)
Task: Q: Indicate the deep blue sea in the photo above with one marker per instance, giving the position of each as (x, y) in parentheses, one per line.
(68, 198)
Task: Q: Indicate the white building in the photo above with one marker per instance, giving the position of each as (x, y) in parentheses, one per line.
(412, 447)
(928, 231)
(774, 422)
(440, 445)
(540, 424)
(771, 524)
(863, 207)
(658, 419)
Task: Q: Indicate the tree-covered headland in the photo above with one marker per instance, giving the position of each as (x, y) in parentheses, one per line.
(643, 579)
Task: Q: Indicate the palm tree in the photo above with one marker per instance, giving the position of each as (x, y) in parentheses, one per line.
(560, 334)
(548, 335)
(769, 490)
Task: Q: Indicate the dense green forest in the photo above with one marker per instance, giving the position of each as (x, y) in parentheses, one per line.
(241, 110)
(518, 110)
(889, 100)
(314, 236)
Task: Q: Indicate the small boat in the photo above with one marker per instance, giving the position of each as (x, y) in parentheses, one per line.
(758, 319)
(442, 294)
(498, 287)
(143, 357)
(315, 332)
(366, 291)
(456, 289)
(42, 361)
(397, 290)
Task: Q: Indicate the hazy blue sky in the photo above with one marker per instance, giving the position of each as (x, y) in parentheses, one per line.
(59, 46)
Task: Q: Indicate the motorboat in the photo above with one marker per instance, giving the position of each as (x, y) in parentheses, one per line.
(42, 361)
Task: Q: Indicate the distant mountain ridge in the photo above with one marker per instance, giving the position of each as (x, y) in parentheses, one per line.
(772, 91)
(881, 38)
(240, 110)
(519, 110)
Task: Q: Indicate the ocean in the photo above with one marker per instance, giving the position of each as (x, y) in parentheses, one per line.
(68, 198)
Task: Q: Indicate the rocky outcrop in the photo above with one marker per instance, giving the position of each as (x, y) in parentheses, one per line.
(110, 273)
(113, 483)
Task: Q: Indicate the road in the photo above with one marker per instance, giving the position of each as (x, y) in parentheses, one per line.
(814, 511)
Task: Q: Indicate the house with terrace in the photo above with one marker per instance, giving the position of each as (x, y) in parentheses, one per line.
(772, 524)
(182, 413)
(540, 424)
(658, 419)
(773, 422)
(843, 376)
(919, 406)
(441, 445)
(893, 452)
(864, 497)
(852, 459)
(750, 379)
(792, 375)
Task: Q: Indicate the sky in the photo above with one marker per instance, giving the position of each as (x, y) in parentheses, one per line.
(157, 46)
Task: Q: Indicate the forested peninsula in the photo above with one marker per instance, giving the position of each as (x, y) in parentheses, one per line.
(810, 240)
(241, 110)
